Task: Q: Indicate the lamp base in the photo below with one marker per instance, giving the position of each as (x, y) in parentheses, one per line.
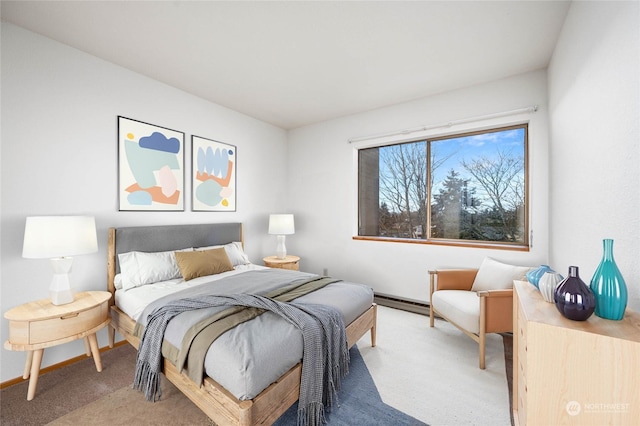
(61, 297)
(60, 290)
(281, 249)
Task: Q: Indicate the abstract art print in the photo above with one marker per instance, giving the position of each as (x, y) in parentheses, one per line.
(213, 175)
(150, 167)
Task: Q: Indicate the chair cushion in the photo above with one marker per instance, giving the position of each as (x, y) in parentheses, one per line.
(458, 306)
(494, 275)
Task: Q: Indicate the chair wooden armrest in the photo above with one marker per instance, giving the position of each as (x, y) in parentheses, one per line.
(507, 292)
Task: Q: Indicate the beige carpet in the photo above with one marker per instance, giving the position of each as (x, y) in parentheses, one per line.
(430, 374)
(127, 406)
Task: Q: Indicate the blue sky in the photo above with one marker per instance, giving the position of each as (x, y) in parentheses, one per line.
(468, 148)
(474, 147)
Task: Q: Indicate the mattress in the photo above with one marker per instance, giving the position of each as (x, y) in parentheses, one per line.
(248, 358)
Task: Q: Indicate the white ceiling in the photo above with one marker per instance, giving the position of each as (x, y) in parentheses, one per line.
(296, 63)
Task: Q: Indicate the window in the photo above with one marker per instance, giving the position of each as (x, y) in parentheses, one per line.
(476, 185)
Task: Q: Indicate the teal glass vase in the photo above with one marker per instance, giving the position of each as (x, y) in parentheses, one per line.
(609, 287)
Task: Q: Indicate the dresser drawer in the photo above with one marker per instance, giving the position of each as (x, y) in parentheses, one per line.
(522, 405)
(522, 339)
(51, 329)
(288, 262)
(522, 355)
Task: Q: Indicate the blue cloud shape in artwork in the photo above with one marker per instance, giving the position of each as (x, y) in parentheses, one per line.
(160, 142)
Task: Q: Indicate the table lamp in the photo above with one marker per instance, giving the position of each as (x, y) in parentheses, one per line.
(57, 238)
(281, 225)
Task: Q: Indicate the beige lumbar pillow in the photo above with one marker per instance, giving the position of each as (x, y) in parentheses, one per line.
(194, 264)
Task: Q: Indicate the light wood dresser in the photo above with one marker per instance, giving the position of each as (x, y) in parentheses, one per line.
(573, 372)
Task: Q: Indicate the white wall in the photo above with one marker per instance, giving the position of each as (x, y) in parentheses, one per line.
(323, 191)
(59, 156)
(594, 107)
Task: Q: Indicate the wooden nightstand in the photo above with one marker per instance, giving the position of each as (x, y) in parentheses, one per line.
(289, 262)
(38, 325)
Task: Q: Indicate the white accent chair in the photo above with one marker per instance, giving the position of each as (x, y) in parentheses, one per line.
(476, 301)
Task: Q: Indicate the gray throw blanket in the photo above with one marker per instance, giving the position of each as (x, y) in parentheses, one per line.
(325, 358)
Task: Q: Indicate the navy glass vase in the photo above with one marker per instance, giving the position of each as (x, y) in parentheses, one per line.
(573, 298)
(609, 287)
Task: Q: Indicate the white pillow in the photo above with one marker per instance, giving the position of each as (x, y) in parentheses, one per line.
(234, 250)
(236, 254)
(117, 281)
(494, 275)
(139, 268)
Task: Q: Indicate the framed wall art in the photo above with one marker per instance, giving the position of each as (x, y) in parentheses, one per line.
(213, 173)
(150, 167)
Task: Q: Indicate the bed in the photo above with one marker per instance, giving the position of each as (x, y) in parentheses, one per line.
(217, 396)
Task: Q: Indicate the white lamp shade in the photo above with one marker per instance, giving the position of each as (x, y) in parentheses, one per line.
(59, 236)
(281, 224)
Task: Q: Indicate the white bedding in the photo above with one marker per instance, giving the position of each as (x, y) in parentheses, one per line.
(133, 301)
(251, 356)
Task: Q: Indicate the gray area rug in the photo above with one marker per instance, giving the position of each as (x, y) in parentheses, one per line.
(359, 402)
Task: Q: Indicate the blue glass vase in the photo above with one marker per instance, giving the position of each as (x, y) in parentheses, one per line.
(574, 299)
(534, 275)
(609, 287)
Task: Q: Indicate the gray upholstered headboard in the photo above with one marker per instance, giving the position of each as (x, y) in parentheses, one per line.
(165, 238)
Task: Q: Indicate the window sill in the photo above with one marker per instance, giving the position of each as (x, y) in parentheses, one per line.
(448, 243)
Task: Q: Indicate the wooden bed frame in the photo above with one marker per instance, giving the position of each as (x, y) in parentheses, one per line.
(211, 397)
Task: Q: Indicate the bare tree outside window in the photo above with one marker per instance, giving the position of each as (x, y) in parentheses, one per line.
(403, 188)
(473, 188)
